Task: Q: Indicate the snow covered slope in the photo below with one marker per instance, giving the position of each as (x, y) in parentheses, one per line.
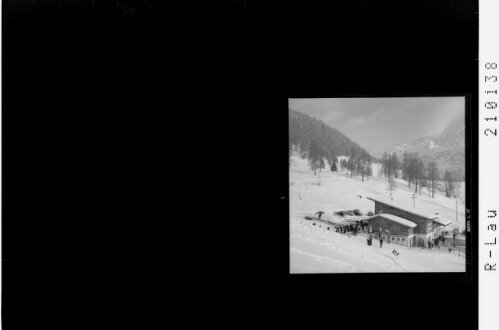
(315, 249)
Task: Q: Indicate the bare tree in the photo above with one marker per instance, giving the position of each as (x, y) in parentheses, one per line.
(391, 186)
(433, 177)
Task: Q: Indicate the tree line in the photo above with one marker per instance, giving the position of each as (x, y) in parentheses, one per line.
(421, 174)
(358, 163)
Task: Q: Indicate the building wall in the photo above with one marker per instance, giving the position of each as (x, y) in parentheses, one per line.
(393, 228)
(404, 241)
(398, 240)
(423, 225)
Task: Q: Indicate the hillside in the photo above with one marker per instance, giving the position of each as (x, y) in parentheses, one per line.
(304, 130)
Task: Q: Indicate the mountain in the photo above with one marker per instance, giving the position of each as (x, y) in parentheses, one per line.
(453, 135)
(446, 149)
(422, 145)
(303, 130)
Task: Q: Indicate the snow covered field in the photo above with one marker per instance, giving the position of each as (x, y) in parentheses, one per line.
(314, 249)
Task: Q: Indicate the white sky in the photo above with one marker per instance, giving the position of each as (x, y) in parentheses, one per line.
(378, 124)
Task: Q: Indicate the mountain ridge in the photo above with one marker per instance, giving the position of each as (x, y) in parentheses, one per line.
(446, 149)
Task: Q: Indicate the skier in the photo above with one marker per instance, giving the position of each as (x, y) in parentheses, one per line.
(369, 240)
(388, 240)
(381, 242)
(454, 236)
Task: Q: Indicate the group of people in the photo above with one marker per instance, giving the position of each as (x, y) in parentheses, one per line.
(347, 229)
(338, 229)
(362, 224)
(446, 233)
(381, 239)
(440, 240)
(355, 228)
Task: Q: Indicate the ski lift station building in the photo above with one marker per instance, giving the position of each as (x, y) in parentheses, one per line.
(405, 227)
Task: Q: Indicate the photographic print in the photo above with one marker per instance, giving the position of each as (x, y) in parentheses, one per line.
(377, 185)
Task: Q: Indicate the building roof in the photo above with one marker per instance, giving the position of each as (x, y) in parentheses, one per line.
(417, 213)
(394, 218)
(442, 221)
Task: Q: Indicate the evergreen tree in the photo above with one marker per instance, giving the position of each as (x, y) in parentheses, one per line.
(314, 157)
(334, 168)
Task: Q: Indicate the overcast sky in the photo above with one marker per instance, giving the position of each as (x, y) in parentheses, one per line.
(380, 123)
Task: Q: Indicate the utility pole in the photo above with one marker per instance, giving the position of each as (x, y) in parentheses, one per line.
(414, 200)
(456, 211)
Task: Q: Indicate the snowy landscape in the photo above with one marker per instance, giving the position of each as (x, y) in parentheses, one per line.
(315, 245)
